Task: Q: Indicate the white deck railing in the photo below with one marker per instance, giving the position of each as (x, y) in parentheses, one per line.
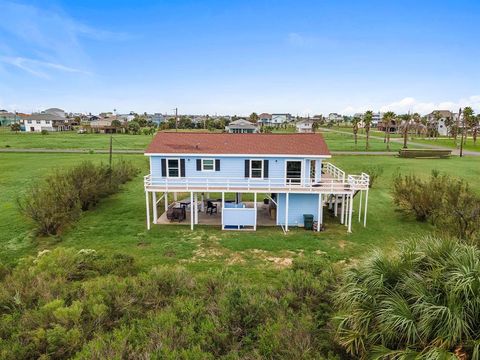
(359, 182)
(245, 184)
(334, 171)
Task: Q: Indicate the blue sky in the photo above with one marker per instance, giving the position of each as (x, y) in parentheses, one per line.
(207, 57)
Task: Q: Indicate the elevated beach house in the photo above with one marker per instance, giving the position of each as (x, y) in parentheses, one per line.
(241, 181)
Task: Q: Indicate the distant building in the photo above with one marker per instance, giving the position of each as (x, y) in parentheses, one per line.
(8, 118)
(38, 122)
(279, 119)
(59, 113)
(438, 121)
(334, 117)
(305, 126)
(241, 126)
(265, 119)
(158, 118)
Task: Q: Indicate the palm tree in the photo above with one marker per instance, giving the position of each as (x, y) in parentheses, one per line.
(387, 119)
(367, 121)
(468, 121)
(405, 128)
(355, 121)
(417, 119)
(418, 302)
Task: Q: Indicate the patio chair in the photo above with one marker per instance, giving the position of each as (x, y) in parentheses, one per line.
(211, 208)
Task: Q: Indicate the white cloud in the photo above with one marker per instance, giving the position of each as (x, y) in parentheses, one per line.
(413, 105)
(41, 40)
(37, 67)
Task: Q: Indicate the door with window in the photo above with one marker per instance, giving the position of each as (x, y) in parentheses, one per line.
(293, 169)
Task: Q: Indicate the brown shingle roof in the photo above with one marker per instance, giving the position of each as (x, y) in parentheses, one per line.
(236, 144)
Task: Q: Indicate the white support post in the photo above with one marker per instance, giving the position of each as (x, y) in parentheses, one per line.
(191, 210)
(335, 211)
(342, 214)
(223, 206)
(345, 212)
(365, 212)
(320, 212)
(196, 209)
(202, 204)
(255, 206)
(148, 209)
(175, 196)
(350, 211)
(360, 206)
(286, 211)
(166, 201)
(154, 203)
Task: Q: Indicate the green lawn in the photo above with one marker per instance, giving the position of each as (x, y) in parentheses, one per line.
(72, 140)
(337, 141)
(450, 143)
(118, 223)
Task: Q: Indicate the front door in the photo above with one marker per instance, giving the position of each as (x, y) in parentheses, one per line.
(293, 174)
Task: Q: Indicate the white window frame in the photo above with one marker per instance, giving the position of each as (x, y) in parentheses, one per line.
(38, 122)
(179, 168)
(263, 169)
(29, 121)
(208, 170)
(302, 171)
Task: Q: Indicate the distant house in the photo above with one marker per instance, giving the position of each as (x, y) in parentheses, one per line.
(158, 118)
(265, 119)
(305, 126)
(279, 119)
(334, 117)
(241, 126)
(59, 113)
(438, 121)
(38, 122)
(8, 118)
(103, 125)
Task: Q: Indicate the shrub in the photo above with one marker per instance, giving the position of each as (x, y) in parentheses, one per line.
(51, 204)
(448, 203)
(58, 200)
(421, 198)
(418, 302)
(374, 171)
(44, 132)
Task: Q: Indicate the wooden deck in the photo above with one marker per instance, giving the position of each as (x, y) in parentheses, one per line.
(263, 217)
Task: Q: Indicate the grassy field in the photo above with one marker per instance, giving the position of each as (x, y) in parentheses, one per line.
(337, 141)
(118, 223)
(450, 143)
(72, 140)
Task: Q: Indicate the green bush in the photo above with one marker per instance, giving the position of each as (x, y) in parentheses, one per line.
(51, 204)
(44, 132)
(58, 200)
(448, 203)
(374, 171)
(419, 302)
(90, 305)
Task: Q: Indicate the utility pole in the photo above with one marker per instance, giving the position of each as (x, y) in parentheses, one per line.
(405, 135)
(176, 119)
(463, 130)
(110, 152)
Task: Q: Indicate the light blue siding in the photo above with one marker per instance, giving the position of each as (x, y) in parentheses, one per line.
(298, 204)
(238, 217)
(232, 167)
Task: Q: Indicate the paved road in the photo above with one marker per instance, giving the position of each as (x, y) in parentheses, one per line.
(400, 140)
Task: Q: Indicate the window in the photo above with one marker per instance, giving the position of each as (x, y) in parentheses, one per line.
(47, 121)
(38, 121)
(208, 165)
(173, 168)
(256, 169)
(29, 121)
